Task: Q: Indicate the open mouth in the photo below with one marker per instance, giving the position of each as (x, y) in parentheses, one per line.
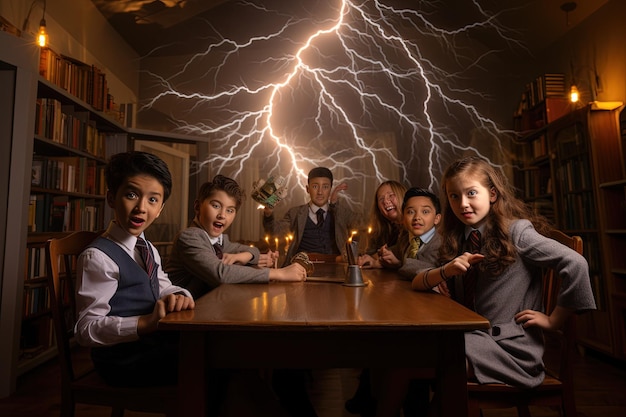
(137, 222)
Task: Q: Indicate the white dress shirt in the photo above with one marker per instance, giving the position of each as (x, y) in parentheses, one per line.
(97, 279)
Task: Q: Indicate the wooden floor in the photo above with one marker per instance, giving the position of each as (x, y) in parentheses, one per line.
(600, 392)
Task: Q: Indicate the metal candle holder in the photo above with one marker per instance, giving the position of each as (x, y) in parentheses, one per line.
(354, 277)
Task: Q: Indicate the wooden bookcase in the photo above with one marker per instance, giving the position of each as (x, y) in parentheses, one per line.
(26, 324)
(67, 190)
(613, 197)
(572, 170)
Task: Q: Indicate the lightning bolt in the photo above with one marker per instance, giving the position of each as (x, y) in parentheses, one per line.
(318, 91)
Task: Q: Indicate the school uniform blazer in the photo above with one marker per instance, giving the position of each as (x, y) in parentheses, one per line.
(193, 263)
(508, 353)
(426, 258)
(294, 222)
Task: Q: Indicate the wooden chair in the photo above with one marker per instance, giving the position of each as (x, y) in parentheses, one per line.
(81, 384)
(557, 388)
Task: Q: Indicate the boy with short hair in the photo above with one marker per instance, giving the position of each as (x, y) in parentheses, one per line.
(320, 226)
(203, 257)
(122, 291)
(421, 212)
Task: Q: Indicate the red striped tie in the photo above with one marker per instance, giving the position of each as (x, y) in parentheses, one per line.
(151, 266)
(469, 281)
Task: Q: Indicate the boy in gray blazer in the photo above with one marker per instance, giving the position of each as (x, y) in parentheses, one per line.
(203, 257)
(421, 212)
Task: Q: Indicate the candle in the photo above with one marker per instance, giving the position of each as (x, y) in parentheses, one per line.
(276, 242)
(276, 260)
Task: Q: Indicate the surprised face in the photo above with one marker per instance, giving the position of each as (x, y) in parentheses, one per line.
(216, 213)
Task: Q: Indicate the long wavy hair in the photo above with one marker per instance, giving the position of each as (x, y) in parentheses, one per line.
(384, 231)
(497, 247)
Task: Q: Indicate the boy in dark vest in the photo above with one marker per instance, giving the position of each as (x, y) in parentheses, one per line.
(320, 226)
(122, 291)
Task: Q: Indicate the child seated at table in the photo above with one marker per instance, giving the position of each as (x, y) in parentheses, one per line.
(321, 226)
(121, 290)
(417, 247)
(203, 257)
(421, 213)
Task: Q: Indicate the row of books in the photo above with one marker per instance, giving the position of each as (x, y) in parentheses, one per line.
(574, 175)
(579, 211)
(538, 183)
(35, 262)
(544, 86)
(36, 299)
(72, 174)
(62, 124)
(48, 213)
(87, 82)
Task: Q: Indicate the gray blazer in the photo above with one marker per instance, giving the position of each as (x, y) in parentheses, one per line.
(294, 222)
(193, 263)
(426, 258)
(508, 353)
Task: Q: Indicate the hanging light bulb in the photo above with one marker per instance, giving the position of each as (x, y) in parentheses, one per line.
(42, 35)
(573, 94)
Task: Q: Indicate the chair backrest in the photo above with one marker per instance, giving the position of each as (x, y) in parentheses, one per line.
(61, 255)
(559, 344)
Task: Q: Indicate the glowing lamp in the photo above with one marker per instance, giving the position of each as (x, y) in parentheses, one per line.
(573, 94)
(42, 35)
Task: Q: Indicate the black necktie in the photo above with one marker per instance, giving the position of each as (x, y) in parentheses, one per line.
(218, 250)
(469, 281)
(150, 265)
(320, 217)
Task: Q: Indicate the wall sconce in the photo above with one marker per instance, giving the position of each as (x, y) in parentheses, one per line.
(42, 34)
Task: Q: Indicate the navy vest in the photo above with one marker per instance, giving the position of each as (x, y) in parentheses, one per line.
(319, 239)
(134, 296)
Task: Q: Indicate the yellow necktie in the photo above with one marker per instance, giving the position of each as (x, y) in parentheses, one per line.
(414, 247)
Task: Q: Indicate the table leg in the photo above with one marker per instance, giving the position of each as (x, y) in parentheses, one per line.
(192, 376)
(452, 375)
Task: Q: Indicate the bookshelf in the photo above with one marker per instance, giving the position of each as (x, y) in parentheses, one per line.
(67, 185)
(613, 193)
(571, 169)
(534, 176)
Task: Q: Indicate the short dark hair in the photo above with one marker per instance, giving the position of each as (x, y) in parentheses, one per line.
(123, 165)
(320, 172)
(221, 183)
(421, 192)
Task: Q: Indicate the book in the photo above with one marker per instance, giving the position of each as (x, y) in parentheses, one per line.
(36, 175)
(59, 214)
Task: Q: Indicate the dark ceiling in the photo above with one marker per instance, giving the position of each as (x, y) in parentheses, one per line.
(150, 24)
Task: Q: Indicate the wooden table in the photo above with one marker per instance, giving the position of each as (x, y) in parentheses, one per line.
(324, 325)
